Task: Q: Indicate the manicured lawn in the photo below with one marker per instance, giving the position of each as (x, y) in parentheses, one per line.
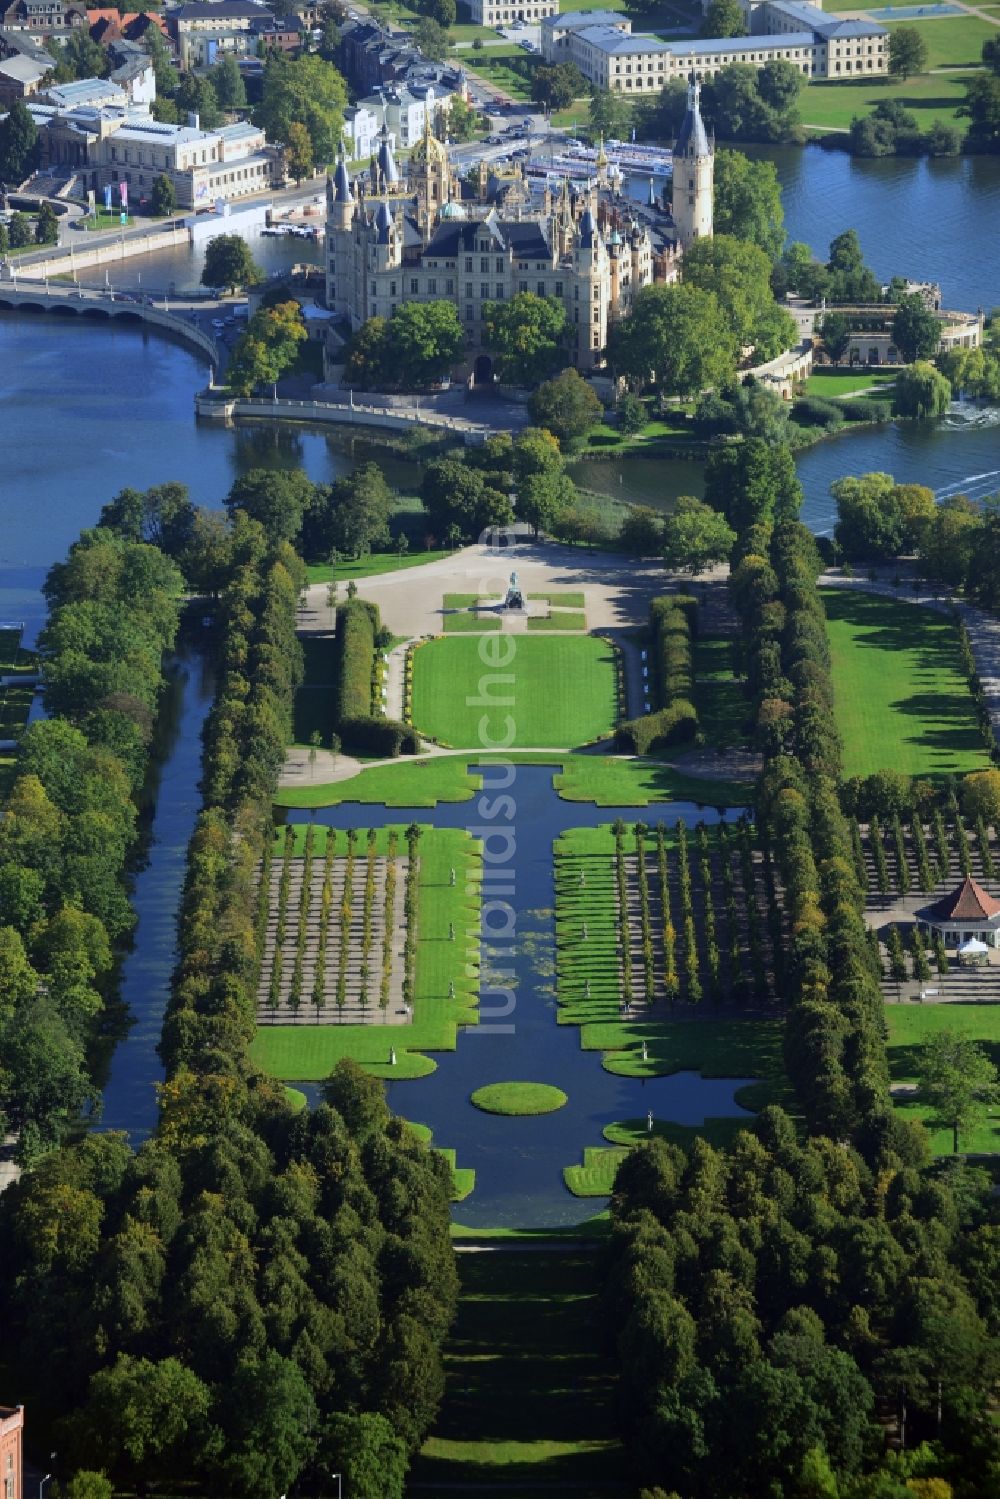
(952, 41)
(309, 1052)
(556, 691)
(910, 1026)
(296, 1099)
(718, 696)
(561, 619)
(607, 781)
(518, 1098)
(691, 1039)
(463, 1178)
(560, 598)
(471, 624)
(528, 1397)
(901, 697)
(832, 383)
(367, 567)
(932, 97)
(613, 782)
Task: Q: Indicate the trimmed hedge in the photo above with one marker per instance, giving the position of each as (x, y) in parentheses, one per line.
(354, 655)
(673, 620)
(378, 736)
(677, 724)
(356, 644)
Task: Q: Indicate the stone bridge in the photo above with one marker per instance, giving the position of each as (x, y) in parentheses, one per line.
(73, 301)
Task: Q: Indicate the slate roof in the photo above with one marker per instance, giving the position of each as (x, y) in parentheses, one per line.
(524, 237)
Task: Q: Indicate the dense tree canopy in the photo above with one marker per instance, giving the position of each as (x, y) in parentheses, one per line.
(410, 350)
(738, 274)
(566, 405)
(748, 201)
(306, 91)
(677, 336)
(229, 262)
(526, 334)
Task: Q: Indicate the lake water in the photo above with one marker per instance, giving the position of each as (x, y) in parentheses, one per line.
(90, 409)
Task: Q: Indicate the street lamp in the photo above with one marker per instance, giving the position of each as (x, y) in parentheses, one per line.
(339, 1490)
(42, 1484)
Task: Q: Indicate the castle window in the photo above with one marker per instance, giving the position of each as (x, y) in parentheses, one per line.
(470, 314)
(484, 292)
(484, 266)
(499, 265)
(414, 285)
(522, 286)
(541, 288)
(468, 288)
(468, 262)
(450, 287)
(392, 288)
(499, 296)
(432, 286)
(559, 287)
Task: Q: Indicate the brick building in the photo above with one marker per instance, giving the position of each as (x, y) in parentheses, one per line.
(11, 1452)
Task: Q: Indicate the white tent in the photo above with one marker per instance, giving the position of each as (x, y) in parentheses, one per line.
(973, 952)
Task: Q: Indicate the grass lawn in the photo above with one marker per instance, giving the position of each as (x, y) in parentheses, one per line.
(832, 383)
(909, 1028)
(309, 1052)
(952, 41)
(518, 1098)
(559, 598)
(831, 105)
(562, 619)
(528, 1397)
(718, 696)
(367, 567)
(690, 1039)
(471, 624)
(901, 697)
(607, 781)
(556, 691)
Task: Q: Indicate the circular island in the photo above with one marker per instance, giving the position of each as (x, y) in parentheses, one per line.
(519, 1098)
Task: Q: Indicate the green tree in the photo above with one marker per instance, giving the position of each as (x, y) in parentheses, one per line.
(556, 85)
(950, 542)
(145, 1411)
(366, 363)
(269, 346)
(609, 116)
(738, 274)
(166, 74)
(747, 201)
(276, 498)
(543, 488)
(18, 980)
(981, 796)
(916, 332)
(423, 341)
(907, 51)
(676, 335)
(46, 226)
(869, 521)
(20, 231)
(43, 1076)
(724, 18)
(455, 495)
(227, 80)
(329, 44)
(308, 91)
(920, 392)
(299, 152)
(445, 12)
(163, 198)
(363, 505)
(369, 1454)
(958, 1080)
(197, 96)
(463, 120)
(18, 144)
(268, 1419)
(526, 335)
(695, 536)
(566, 405)
(79, 56)
(835, 331)
(981, 108)
(432, 38)
(991, 54)
(632, 415)
(88, 1484)
(4, 240)
(228, 262)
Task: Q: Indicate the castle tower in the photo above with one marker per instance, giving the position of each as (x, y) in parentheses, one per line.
(694, 173)
(430, 179)
(340, 210)
(590, 263)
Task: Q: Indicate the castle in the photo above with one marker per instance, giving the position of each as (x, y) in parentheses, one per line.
(432, 237)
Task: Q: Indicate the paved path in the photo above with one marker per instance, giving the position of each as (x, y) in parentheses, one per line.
(983, 628)
(395, 681)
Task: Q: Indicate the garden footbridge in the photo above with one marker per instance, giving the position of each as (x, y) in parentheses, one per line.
(180, 319)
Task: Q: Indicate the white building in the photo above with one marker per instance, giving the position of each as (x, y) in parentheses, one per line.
(203, 165)
(506, 12)
(611, 56)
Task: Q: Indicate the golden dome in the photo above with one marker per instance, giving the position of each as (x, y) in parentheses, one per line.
(429, 148)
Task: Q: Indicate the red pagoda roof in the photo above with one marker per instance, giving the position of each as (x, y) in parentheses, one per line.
(970, 902)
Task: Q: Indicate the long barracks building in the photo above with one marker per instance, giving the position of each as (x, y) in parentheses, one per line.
(609, 55)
